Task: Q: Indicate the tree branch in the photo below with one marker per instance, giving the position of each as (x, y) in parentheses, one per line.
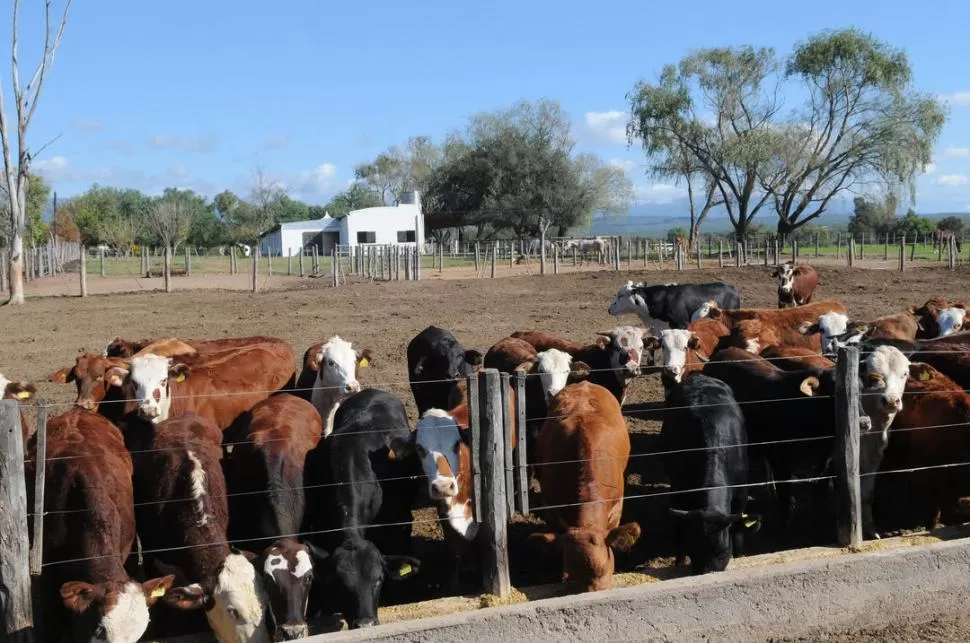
(50, 50)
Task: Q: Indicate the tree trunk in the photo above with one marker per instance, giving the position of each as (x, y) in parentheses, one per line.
(16, 266)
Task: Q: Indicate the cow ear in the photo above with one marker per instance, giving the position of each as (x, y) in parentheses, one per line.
(20, 391)
(401, 567)
(313, 357)
(578, 371)
(400, 449)
(63, 376)
(248, 555)
(808, 328)
(543, 539)
(473, 357)
(115, 376)
(603, 340)
(318, 555)
(190, 597)
(651, 343)
(913, 309)
(809, 386)
(920, 371)
(624, 537)
(694, 342)
(156, 588)
(526, 367)
(178, 372)
(365, 357)
(78, 596)
(714, 312)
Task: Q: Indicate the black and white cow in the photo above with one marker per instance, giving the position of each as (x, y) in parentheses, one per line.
(436, 360)
(671, 303)
(705, 441)
(355, 482)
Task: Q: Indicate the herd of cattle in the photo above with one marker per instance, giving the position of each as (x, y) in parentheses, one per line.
(262, 495)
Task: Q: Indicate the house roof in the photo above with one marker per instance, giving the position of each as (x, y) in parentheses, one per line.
(325, 224)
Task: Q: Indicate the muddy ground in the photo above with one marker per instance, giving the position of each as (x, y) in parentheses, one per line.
(47, 334)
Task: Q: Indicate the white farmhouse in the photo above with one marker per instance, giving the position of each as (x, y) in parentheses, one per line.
(401, 224)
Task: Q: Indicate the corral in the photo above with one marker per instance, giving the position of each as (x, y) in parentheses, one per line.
(383, 317)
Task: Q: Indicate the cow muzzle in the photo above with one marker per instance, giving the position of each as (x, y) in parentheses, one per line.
(364, 622)
(891, 404)
(351, 388)
(292, 632)
(87, 404)
(442, 488)
(149, 412)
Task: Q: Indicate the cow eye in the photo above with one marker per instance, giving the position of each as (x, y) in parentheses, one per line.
(874, 378)
(233, 614)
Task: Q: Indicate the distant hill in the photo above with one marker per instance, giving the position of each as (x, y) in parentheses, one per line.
(651, 220)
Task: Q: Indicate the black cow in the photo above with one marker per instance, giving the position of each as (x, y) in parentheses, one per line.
(672, 303)
(353, 483)
(704, 435)
(435, 361)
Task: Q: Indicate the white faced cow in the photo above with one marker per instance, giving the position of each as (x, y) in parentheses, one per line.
(337, 364)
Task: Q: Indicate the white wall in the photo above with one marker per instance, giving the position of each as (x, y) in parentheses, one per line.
(385, 222)
(293, 242)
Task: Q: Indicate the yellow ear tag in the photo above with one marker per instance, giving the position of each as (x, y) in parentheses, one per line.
(405, 567)
(180, 377)
(363, 364)
(23, 395)
(158, 592)
(924, 376)
(750, 523)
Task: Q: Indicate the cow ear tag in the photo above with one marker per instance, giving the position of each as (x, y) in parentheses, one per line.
(924, 376)
(405, 567)
(363, 364)
(23, 395)
(749, 522)
(158, 592)
(180, 377)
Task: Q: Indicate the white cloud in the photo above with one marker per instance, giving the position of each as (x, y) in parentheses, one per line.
(51, 168)
(276, 141)
(608, 127)
(627, 165)
(203, 144)
(956, 152)
(957, 99)
(658, 193)
(929, 168)
(953, 180)
(317, 181)
(88, 124)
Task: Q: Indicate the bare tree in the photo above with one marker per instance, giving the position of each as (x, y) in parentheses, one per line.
(169, 219)
(16, 175)
(121, 233)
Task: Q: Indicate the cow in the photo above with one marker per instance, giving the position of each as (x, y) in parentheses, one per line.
(363, 479)
(330, 374)
(671, 303)
(614, 360)
(686, 351)
(706, 447)
(89, 375)
(793, 358)
(942, 238)
(264, 477)
(585, 246)
(582, 454)
(835, 329)
(939, 317)
(182, 516)
(219, 387)
(953, 360)
(781, 327)
(796, 284)
(436, 361)
(171, 347)
(89, 531)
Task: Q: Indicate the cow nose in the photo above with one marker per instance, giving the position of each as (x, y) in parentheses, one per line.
(149, 411)
(293, 632)
(351, 387)
(87, 405)
(444, 488)
(364, 622)
(892, 403)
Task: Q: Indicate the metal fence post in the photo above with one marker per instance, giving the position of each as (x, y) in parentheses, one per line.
(848, 493)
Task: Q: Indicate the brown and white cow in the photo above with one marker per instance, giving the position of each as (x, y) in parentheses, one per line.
(264, 476)
(170, 347)
(219, 386)
(939, 317)
(614, 360)
(796, 284)
(89, 530)
(835, 329)
(331, 373)
(794, 358)
(776, 327)
(582, 456)
(182, 515)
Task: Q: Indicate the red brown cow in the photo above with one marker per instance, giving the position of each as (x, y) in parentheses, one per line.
(123, 348)
(182, 516)
(89, 530)
(939, 317)
(794, 358)
(264, 476)
(219, 387)
(582, 452)
(686, 351)
(796, 284)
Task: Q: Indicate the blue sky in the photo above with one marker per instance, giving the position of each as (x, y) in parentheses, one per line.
(199, 94)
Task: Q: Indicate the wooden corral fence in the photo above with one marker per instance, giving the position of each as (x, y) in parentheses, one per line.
(499, 473)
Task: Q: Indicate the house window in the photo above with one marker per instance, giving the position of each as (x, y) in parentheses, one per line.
(405, 236)
(366, 237)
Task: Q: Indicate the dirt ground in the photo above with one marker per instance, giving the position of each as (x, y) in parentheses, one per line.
(47, 333)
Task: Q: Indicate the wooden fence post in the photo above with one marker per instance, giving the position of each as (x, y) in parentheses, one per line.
(494, 252)
(886, 253)
(17, 615)
(737, 254)
(508, 444)
(441, 260)
(478, 256)
(83, 271)
(767, 248)
(851, 253)
(417, 263)
(302, 271)
(520, 458)
(188, 261)
(101, 259)
(255, 268)
(794, 250)
(335, 275)
(646, 252)
(816, 244)
(40, 478)
(289, 262)
(542, 253)
(720, 253)
(555, 259)
(491, 472)
(902, 253)
(616, 254)
(838, 247)
(848, 493)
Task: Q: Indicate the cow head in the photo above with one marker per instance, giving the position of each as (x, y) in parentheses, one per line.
(675, 344)
(287, 567)
(626, 345)
(90, 376)
(556, 370)
(836, 331)
(785, 274)
(704, 310)
(236, 607)
(337, 365)
(124, 348)
(928, 315)
(884, 373)
(629, 301)
(446, 459)
(707, 536)
(151, 377)
(951, 320)
(360, 570)
(587, 554)
(115, 612)
(20, 391)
